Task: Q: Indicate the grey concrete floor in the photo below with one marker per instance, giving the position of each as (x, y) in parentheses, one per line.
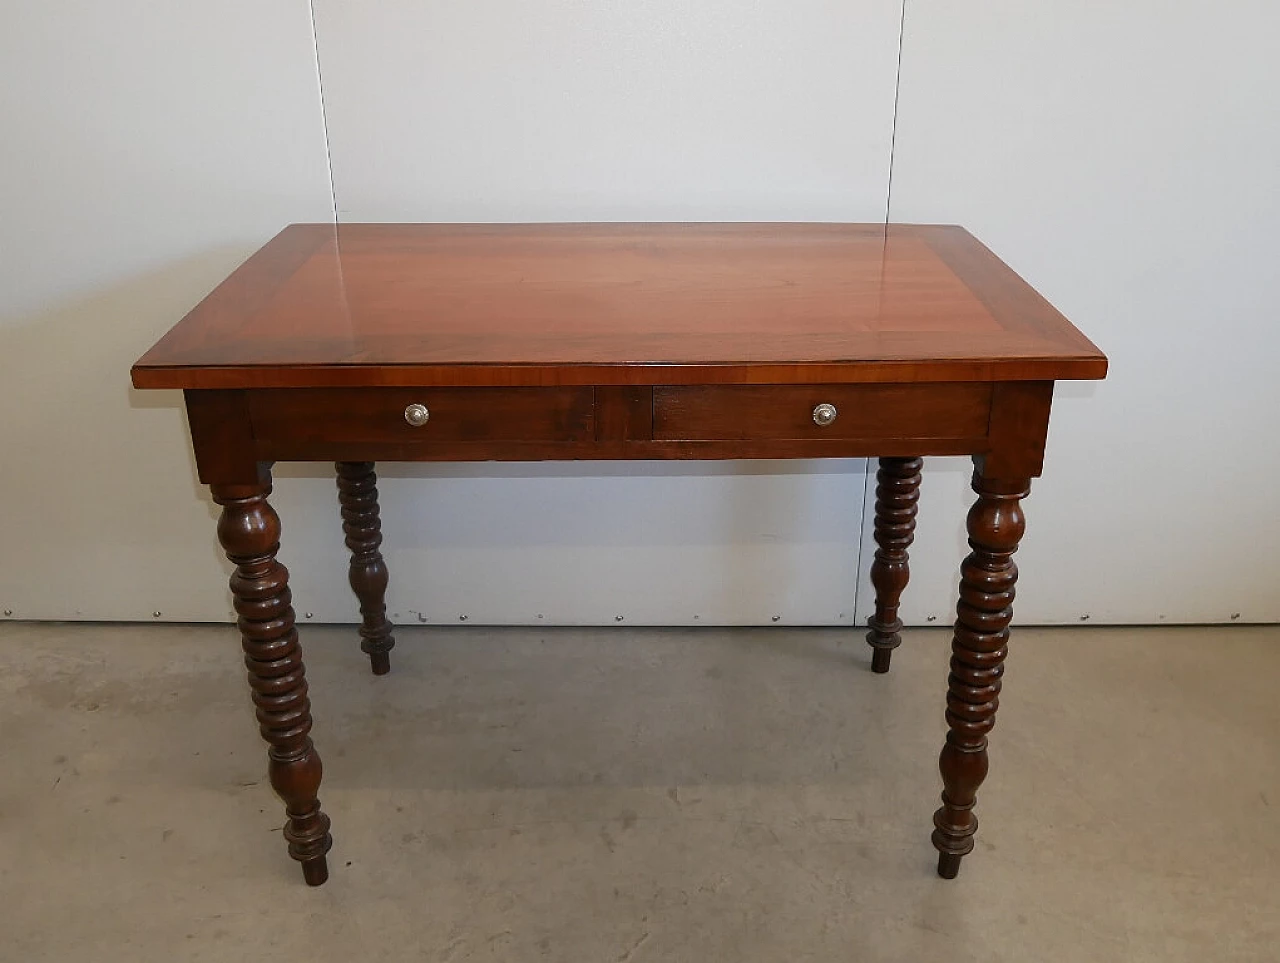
(635, 795)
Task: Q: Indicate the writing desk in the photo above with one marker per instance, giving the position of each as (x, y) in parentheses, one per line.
(611, 341)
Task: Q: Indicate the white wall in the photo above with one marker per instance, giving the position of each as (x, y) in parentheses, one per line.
(178, 138)
(145, 149)
(1126, 159)
(560, 110)
(1122, 157)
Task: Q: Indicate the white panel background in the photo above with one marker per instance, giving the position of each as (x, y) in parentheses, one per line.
(1125, 158)
(563, 110)
(583, 543)
(1122, 157)
(146, 148)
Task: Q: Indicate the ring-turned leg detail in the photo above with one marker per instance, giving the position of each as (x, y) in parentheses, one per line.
(978, 651)
(250, 533)
(897, 497)
(358, 492)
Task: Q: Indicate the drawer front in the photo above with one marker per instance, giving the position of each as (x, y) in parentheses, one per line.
(820, 412)
(413, 416)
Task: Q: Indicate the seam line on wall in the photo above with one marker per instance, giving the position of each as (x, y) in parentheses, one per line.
(862, 536)
(872, 464)
(893, 128)
(324, 113)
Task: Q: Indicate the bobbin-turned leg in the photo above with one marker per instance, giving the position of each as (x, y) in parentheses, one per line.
(978, 650)
(250, 533)
(897, 495)
(358, 493)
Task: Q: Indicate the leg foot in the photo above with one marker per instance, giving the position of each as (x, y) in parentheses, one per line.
(978, 650)
(897, 495)
(250, 533)
(358, 493)
(949, 865)
(315, 871)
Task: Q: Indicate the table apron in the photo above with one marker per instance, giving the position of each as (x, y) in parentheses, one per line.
(234, 430)
(659, 422)
(289, 450)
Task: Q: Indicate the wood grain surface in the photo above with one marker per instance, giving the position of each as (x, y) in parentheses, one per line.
(766, 412)
(360, 305)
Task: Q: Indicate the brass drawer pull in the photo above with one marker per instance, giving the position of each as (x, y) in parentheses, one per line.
(417, 415)
(824, 414)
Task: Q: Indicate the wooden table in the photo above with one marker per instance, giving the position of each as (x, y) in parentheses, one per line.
(613, 341)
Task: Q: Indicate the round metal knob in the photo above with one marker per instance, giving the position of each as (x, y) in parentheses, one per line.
(417, 415)
(824, 414)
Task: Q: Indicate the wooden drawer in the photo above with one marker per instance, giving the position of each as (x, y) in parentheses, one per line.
(295, 417)
(786, 412)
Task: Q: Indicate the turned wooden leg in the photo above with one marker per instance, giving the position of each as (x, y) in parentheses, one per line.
(358, 492)
(250, 533)
(978, 651)
(897, 495)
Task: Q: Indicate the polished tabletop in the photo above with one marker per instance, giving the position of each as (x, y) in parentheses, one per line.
(459, 304)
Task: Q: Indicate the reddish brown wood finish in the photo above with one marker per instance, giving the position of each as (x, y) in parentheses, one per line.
(617, 304)
(613, 422)
(1019, 426)
(978, 650)
(222, 437)
(786, 412)
(613, 341)
(358, 493)
(897, 498)
(345, 415)
(250, 533)
(624, 414)
(618, 451)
